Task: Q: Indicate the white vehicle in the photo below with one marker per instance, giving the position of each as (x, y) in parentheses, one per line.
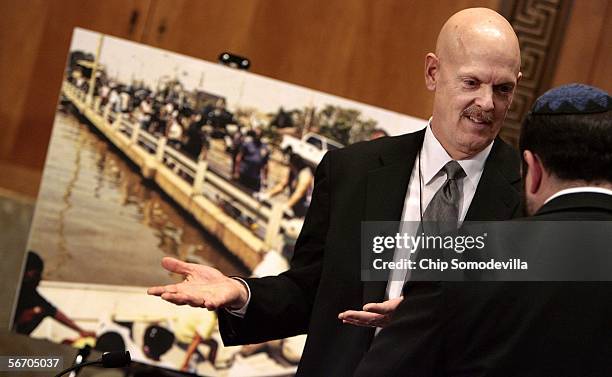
(311, 147)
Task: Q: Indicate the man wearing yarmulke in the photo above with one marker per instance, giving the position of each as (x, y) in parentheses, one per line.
(542, 329)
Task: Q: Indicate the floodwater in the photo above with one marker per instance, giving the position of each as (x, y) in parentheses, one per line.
(98, 221)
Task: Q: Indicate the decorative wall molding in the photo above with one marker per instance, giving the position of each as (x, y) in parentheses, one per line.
(540, 26)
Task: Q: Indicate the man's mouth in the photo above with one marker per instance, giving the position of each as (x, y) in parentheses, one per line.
(477, 116)
(478, 120)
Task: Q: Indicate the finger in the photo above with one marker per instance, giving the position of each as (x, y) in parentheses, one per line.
(358, 323)
(183, 299)
(381, 321)
(366, 317)
(385, 307)
(175, 298)
(156, 291)
(379, 307)
(176, 266)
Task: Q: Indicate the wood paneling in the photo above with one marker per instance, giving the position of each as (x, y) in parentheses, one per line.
(20, 37)
(586, 54)
(601, 73)
(35, 37)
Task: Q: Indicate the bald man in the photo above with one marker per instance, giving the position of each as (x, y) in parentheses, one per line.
(473, 74)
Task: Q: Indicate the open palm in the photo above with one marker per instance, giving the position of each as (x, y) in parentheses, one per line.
(203, 287)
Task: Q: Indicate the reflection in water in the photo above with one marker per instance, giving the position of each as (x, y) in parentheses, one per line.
(98, 221)
(63, 254)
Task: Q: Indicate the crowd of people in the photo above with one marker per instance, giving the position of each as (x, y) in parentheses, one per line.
(189, 124)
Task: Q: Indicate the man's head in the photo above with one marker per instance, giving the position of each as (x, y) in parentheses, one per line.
(33, 269)
(566, 141)
(473, 74)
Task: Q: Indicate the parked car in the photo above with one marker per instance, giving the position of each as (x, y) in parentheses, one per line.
(311, 147)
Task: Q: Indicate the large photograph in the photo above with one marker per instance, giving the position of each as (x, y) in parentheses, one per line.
(157, 154)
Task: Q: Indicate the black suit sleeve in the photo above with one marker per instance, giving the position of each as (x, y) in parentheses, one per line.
(411, 343)
(281, 305)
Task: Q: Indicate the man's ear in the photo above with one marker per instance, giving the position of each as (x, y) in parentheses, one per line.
(534, 173)
(518, 79)
(432, 67)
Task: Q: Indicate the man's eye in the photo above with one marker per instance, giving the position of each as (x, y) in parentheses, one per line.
(470, 83)
(505, 89)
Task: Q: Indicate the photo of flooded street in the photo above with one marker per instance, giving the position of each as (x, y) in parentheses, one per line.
(98, 221)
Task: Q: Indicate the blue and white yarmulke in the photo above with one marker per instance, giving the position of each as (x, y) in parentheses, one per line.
(573, 99)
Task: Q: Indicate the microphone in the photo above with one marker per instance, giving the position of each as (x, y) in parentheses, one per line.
(115, 359)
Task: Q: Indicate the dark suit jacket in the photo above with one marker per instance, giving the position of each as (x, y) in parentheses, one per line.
(365, 181)
(503, 328)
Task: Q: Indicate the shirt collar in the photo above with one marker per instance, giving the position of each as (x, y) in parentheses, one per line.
(434, 157)
(574, 190)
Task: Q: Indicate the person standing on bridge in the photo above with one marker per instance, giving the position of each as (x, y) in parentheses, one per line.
(252, 161)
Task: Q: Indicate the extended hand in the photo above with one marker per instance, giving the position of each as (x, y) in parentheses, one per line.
(203, 287)
(375, 314)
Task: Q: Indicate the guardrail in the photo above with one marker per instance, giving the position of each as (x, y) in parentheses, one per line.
(202, 180)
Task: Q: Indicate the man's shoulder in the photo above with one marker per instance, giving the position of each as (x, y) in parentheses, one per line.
(503, 149)
(506, 159)
(387, 145)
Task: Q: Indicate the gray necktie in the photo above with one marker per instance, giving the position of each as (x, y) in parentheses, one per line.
(442, 214)
(444, 206)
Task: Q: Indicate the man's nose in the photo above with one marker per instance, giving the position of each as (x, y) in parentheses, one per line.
(485, 98)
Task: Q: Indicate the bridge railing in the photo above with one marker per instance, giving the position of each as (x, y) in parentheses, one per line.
(264, 219)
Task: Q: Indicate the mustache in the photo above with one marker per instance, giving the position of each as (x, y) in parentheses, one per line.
(475, 111)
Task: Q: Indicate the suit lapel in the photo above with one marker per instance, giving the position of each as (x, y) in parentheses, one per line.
(386, 191)
(497, 196)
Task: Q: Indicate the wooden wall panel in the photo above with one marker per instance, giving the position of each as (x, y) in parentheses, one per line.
(586, 53)
(35, 37)
(370, 51)
(601, 73)
(20, 36)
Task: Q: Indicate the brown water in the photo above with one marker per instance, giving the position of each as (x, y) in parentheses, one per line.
(97, 220)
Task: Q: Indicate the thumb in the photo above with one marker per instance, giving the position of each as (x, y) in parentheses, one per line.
(176, 266)
(384, 307)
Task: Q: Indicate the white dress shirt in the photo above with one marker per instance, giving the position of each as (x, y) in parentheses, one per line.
(432, 159)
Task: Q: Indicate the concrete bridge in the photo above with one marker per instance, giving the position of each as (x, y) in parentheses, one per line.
(192, 185)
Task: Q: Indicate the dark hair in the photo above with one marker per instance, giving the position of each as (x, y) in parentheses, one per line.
(571, 146)
(158, 340)
(297, 161)
(34, 262)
